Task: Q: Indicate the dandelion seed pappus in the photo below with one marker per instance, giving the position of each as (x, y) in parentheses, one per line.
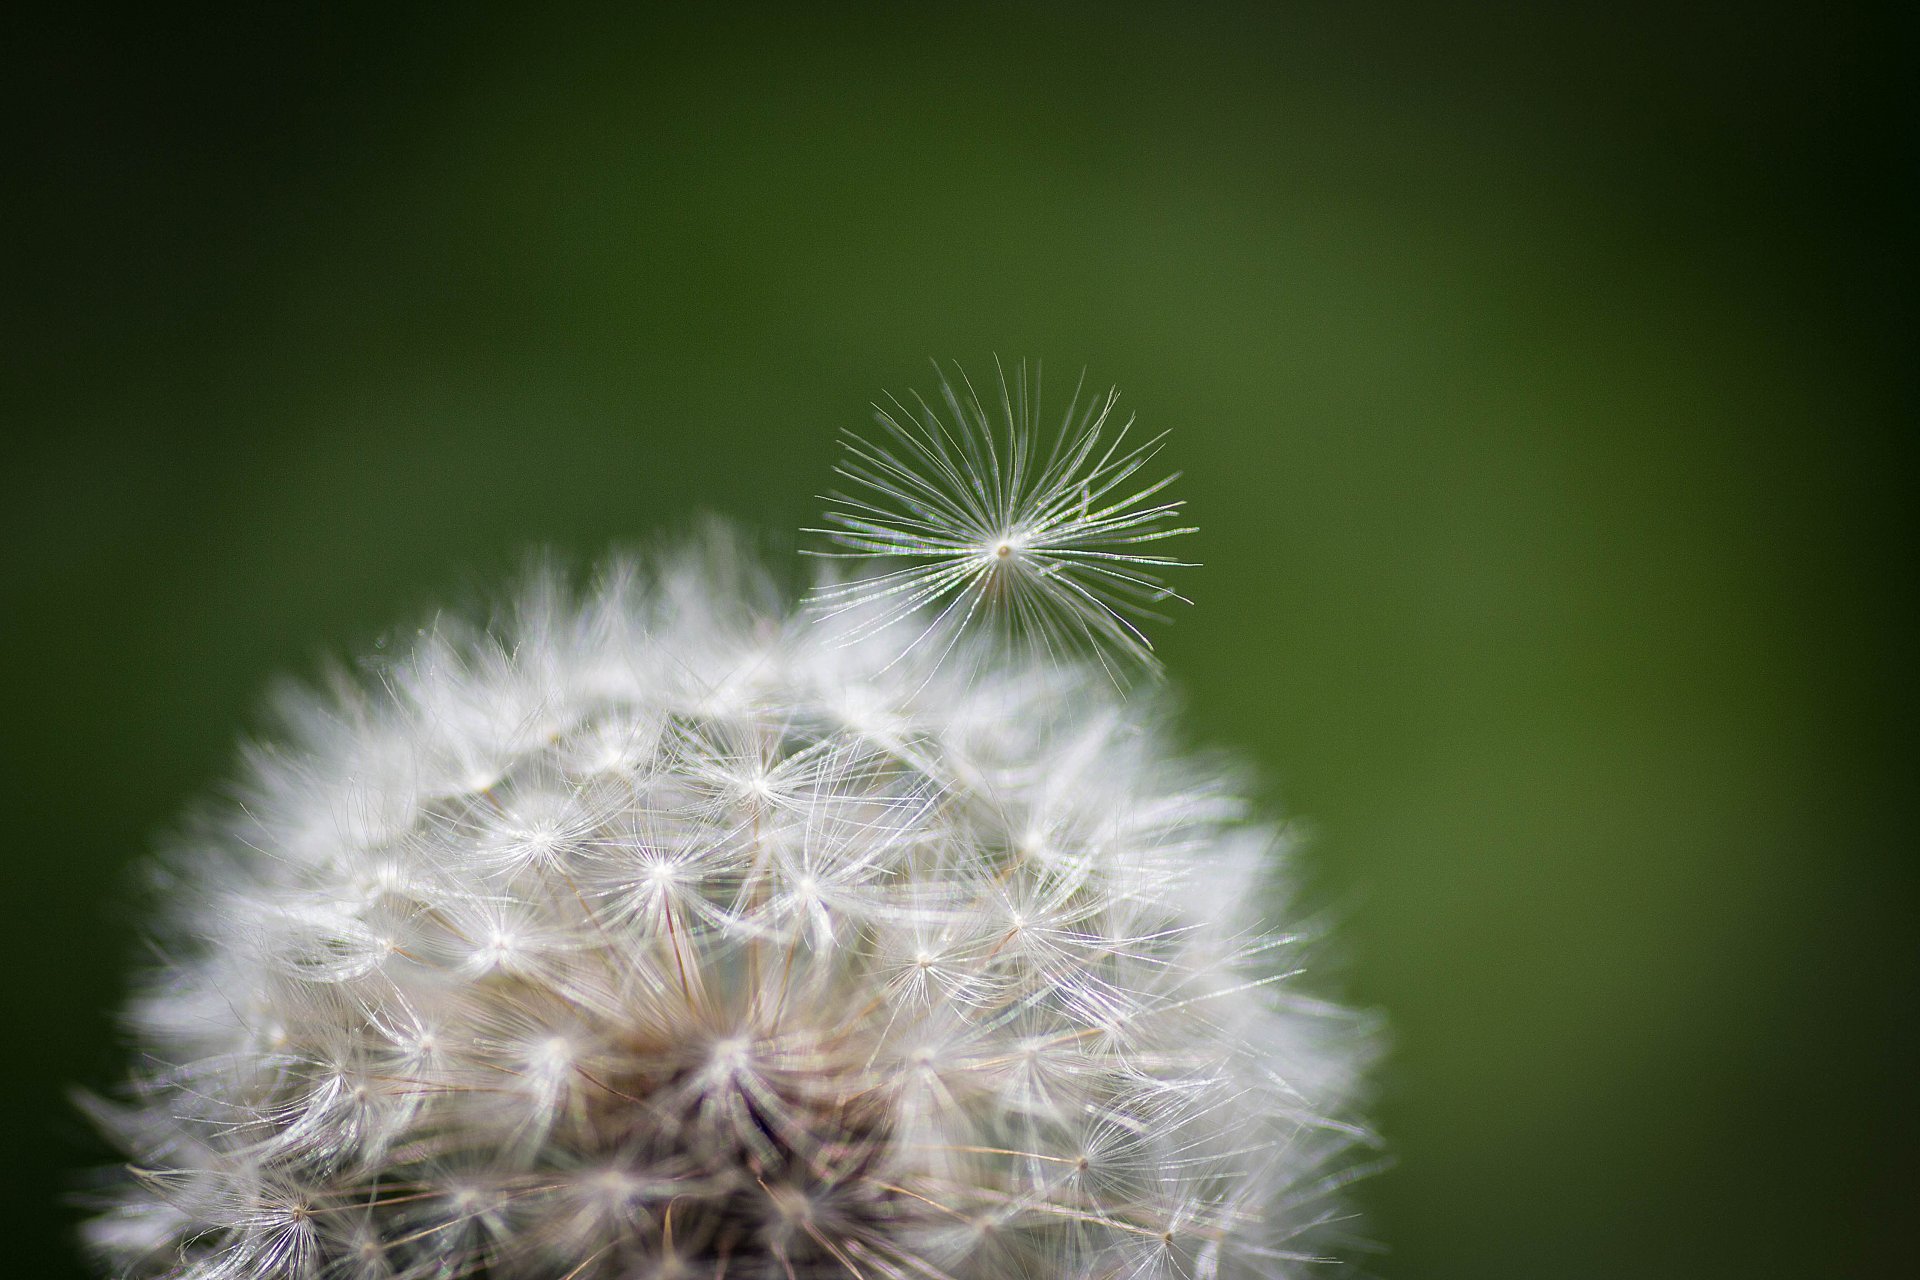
(978, 528)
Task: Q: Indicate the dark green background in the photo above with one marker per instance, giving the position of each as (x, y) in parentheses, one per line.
(1538, 374)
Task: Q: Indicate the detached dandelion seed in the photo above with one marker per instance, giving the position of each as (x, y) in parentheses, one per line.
(1047, 550)
(651, 931)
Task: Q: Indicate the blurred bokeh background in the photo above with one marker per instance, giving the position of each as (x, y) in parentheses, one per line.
(1540, 375)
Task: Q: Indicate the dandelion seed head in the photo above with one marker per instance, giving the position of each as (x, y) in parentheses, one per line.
(648, 929)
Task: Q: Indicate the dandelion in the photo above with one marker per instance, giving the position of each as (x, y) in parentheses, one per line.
(651, 930)
(1046, 549)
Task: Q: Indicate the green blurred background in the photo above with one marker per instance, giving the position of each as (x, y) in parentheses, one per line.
(1540, 375)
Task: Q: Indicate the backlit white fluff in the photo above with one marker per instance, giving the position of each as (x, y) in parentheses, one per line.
(978, 529)
(653, 931)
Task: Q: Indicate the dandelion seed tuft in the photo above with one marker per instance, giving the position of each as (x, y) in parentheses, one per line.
(649, 930)
(979, 528)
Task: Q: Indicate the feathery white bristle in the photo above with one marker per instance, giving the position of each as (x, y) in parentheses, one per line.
(1042, 549)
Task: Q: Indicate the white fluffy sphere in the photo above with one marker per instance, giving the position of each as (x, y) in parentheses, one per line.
(653, 931)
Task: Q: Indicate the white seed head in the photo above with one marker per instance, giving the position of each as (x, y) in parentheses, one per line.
(651, 930)
(1043, 550)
